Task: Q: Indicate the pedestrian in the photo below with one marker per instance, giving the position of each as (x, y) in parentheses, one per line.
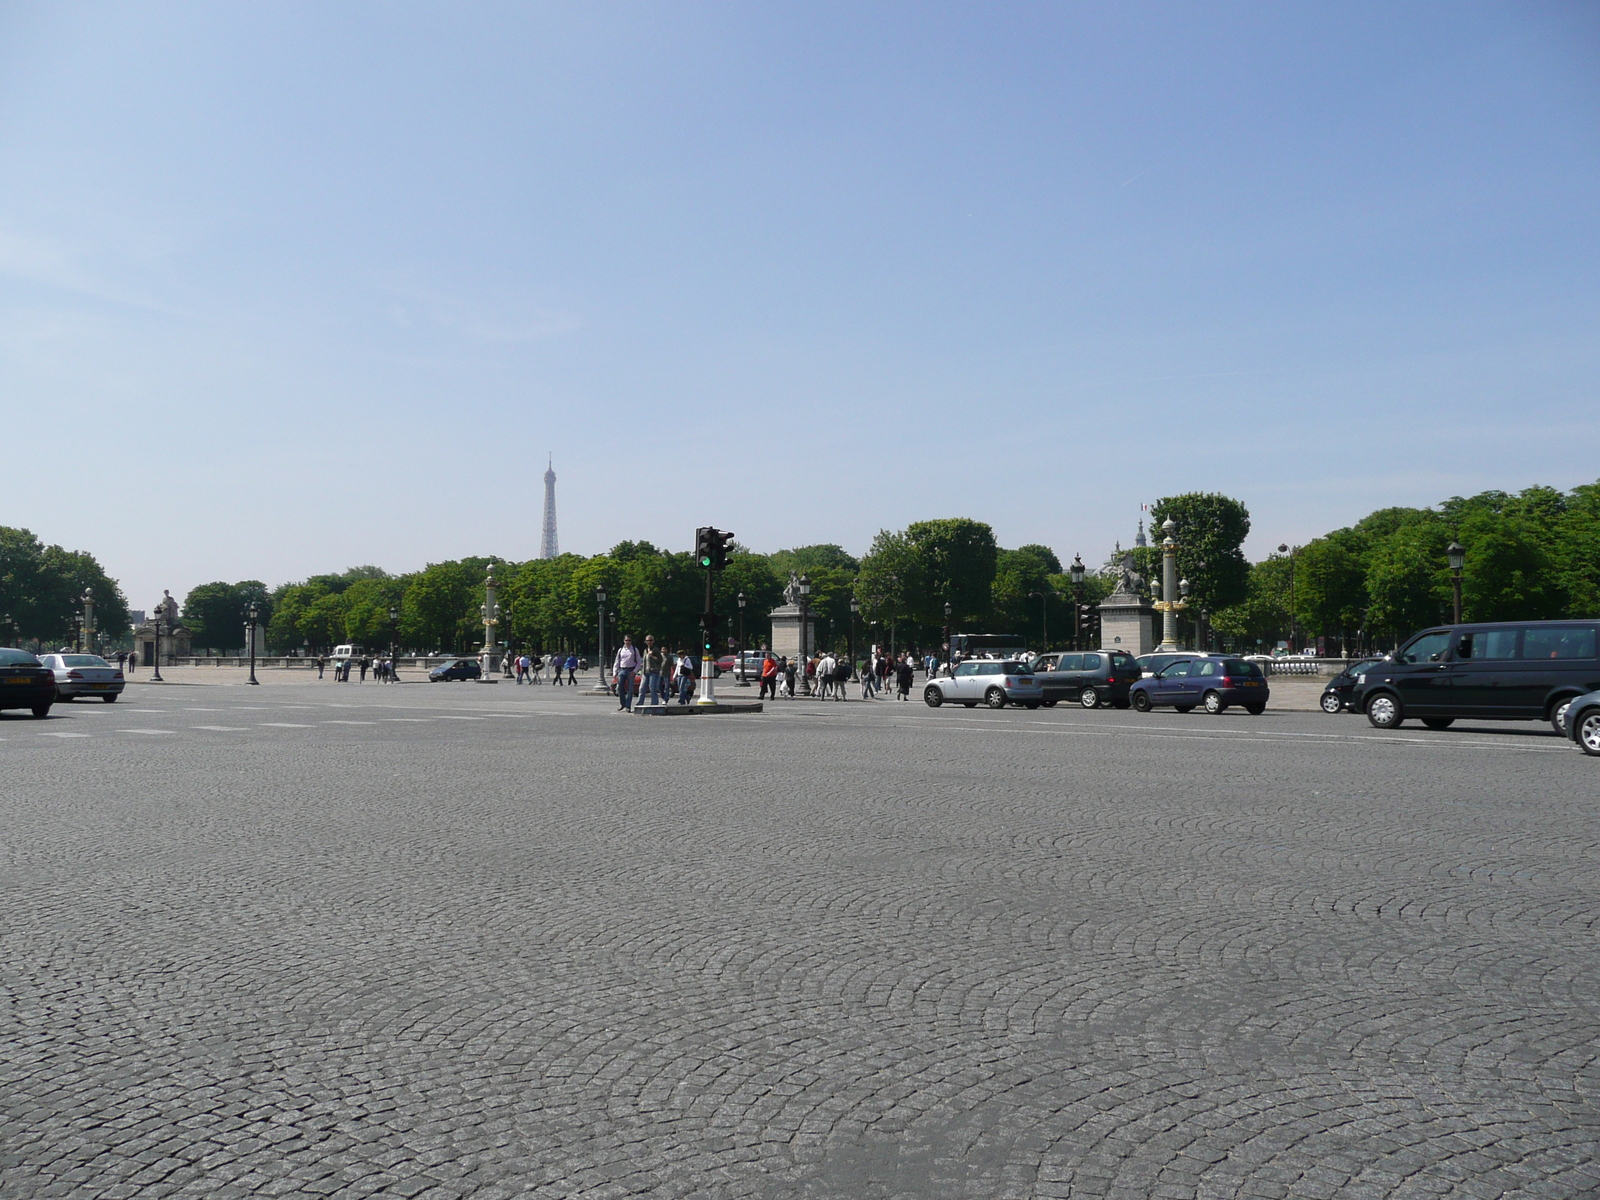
(866, 683)
(321, 663)
(623, 670)
(535, 668)
(364, 665)
(656, 662)
(572, 670)
(788, 676)
(133, 661)
(905, 675)
(825, 669)
(769, 677)
(686, 671)
(122, 657)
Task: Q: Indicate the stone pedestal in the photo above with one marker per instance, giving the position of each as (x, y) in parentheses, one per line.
(1127, 623)
(786, 632)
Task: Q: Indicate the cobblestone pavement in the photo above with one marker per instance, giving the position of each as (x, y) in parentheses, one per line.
(322, 940)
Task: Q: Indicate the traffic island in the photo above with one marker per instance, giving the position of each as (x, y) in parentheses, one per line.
(692, 710)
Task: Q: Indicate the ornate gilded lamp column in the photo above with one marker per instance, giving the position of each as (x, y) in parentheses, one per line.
(1170, 605)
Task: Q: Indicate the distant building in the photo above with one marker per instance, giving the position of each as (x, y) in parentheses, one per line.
(548, 546)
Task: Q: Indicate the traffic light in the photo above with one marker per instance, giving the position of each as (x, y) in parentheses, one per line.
(721, 539)
(703, 555)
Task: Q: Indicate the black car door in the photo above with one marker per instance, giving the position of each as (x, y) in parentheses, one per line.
(1420, 673)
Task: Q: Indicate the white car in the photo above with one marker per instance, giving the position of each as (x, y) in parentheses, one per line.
(84, 675)
(995, 682)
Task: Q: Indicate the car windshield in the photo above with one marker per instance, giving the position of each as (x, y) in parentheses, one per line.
(84, 660)
(1017, 668)
(1236, 666)
(17, 658)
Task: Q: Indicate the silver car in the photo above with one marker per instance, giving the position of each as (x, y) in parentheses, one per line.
(995, 682)
(84, 675)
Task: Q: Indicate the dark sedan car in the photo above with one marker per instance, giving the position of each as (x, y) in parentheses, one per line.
(461, 669)
(1336, 696)
(1216, 683)
(25, 682)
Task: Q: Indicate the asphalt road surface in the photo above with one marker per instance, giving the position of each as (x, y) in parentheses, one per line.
(467, 940)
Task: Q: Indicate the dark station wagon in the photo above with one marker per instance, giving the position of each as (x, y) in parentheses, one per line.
(1092, 678)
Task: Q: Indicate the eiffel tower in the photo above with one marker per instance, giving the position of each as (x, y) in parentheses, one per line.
(547, 543)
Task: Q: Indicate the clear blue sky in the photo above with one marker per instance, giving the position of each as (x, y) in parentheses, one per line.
(290, 287)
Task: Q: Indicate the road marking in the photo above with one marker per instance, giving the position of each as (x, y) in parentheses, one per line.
(443, 717)
(156, 731)
(222, 728)
(46, 733)
(349, 722)
(411, 720)
(283, 725)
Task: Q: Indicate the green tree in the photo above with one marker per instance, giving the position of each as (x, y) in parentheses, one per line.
(1261, 619)
(1210, 530)
(1330, 593)
(41, 591)
(956, 561)
(443, 606)
(216, 613)
(803, 560)
(1021, 578)
(1408, 578)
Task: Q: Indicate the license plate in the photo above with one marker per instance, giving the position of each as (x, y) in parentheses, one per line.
(99, 686)
(18, 679)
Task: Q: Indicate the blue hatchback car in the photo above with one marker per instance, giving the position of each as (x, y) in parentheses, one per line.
(1214, 683)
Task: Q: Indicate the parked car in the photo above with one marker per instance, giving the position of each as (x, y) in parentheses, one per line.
(1336, 696)
(1217, 683)
(25, 682)
(1091, 679)
(1151, 664)
(722, 664)
(84, 675)
(1504, 671)
(461, 669)
(1583, 722)
(996, 682)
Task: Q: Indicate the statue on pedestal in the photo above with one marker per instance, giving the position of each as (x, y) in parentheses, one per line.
(791, 590)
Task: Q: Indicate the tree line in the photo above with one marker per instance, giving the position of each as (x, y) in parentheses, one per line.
(41, 592)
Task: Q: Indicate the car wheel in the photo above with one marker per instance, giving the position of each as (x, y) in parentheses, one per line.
(1589, 731)
(1559, 714)
(969, 704)
(1119, 704)
(932, 697)
(1031, 704)
(1048, 703)
(1215, 703)
(1183, 708)
(1331, 702)
(109, 699)
(1255, 710)
(1384, 711)
(1438, 722)
(1089, 698)
(995, 698)
(1141, 701)
(41, 711)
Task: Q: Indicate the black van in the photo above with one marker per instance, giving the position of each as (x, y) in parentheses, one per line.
(1508, 671)
(1092, 679)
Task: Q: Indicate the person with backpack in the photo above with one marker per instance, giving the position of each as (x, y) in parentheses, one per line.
(769, 677)
(657, 662)
(685, 676)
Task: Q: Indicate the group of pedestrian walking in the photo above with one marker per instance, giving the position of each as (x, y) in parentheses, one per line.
(654, 674)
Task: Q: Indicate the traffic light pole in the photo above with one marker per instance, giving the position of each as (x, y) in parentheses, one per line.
(708, 664)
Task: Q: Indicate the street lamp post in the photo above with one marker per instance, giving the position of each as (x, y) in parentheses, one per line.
(11, 624)
(394, 643)
(1170, 605)
(1283, 548)
(1457, 554)
(88, 621)
(156, 653)
(600, 620)
(855, 611)
(1044, 618)
(743, 679)
(253, 613)
(947, 611)
(1077, 571)
(491, 623)
(805, 612)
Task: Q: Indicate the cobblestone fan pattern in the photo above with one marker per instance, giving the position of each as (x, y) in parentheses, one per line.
(449, 942)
